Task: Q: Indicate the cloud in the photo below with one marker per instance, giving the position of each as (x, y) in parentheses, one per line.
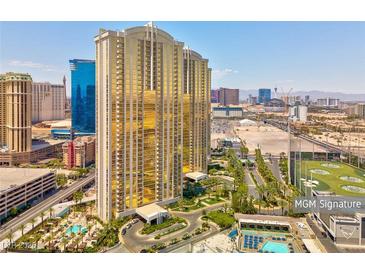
(33, 65)
(289, 81)
(221, 73)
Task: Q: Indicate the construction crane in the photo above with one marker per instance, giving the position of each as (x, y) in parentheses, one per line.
(286, 97)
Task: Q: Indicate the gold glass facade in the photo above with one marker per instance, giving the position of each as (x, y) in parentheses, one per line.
(15, 112)
(139, 102)
(197, 77)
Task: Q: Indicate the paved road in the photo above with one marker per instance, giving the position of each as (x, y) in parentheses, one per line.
(118, 249)
(251, 185)
(213, 231)
(275, 168)
(134, 242)
(43, 206)
(258, 178)
(325, 241)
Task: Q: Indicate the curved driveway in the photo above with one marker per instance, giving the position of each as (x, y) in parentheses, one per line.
(135, 242)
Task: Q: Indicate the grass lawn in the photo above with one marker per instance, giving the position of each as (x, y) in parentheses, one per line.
(148, 229)
(212, 200)
(224, 220)
(186, 205)
(329, 174)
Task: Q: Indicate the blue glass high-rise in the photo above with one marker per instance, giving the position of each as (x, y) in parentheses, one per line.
(83, 96)
(264, 95)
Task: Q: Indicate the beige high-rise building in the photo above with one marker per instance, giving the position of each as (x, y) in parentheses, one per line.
(15, 112)
(197, 85)
(48, 102)
(357, 110)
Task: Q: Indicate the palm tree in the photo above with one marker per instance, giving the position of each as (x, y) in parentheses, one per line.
(78, 240)
(37, 237)
(282, 204)
(49, 239)
(64, 242)
(78, 196)
(89, 226)
(51, 211)
(32, 221)
(10, 237)
(22, 226)
(42, 217)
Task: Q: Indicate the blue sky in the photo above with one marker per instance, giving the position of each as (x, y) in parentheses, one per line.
(328, 56)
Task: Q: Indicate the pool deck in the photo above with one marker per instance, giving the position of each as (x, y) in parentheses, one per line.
(297, 233)
(282, 219)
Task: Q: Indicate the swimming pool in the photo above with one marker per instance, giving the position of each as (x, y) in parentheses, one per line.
(274, 247)
(76, 229)
(233, 233)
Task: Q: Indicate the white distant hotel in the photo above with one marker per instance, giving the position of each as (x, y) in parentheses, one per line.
(48, 101)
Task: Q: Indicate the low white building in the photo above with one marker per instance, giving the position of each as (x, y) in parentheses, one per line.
(299, 113)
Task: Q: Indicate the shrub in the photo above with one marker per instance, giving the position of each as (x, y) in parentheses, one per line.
(224, 220)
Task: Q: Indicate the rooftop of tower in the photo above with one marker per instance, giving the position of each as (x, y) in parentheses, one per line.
(131, 30)
(14, 76)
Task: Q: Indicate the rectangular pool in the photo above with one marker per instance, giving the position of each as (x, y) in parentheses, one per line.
(274, 247)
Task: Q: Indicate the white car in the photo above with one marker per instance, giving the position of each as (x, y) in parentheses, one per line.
(301, 225)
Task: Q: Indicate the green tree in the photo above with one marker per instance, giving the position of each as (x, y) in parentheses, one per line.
(64, 242)
(61, 180)
(13, 211)
(42, 217)
(37, 238)
(212, 171)
(48, 240)
(10, 237)
(78, 196)
(32, 221)
(51, 211)
(22, 226)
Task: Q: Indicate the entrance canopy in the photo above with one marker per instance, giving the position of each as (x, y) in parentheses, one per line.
(152, 213)
(196, 176)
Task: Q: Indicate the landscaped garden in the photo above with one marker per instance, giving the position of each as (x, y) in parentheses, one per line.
(76, 231)
(213, 200)
(186, 205)
(159, 246)
(213, 197)
(340, 178)
(221, 218)
(172, 229)
(148, 228)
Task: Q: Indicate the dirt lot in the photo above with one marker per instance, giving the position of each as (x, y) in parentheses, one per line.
(270, 139)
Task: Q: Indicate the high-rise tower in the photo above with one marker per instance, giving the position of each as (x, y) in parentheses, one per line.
(83, 95)
(139, 103)
(196, 111)
(16, 112)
